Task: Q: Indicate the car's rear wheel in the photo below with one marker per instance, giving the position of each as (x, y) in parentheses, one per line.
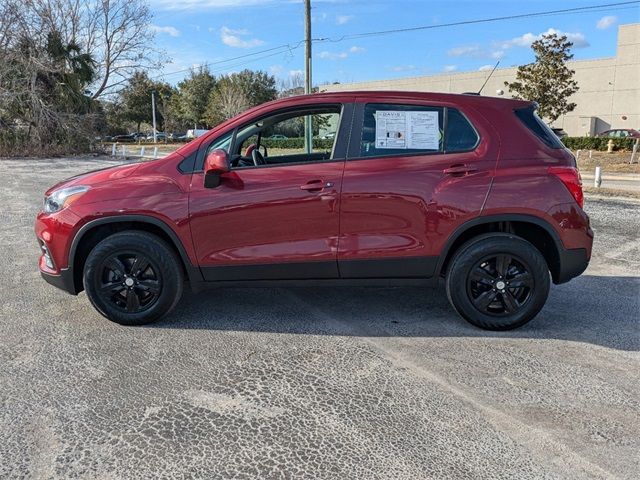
(498, 281)
(133, 278)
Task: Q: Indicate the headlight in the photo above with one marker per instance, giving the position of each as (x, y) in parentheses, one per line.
(63, 197)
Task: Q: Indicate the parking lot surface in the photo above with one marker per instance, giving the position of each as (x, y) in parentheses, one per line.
(340, 383)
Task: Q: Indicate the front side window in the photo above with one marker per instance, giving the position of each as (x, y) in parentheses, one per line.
(390, 129)
(280, 138)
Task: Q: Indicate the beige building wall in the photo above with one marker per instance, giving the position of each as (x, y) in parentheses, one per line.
(609, 87)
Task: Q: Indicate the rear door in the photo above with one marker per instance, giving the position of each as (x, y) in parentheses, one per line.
(414, 172)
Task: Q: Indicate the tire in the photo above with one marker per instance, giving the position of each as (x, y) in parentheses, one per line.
(497, 281)
(133, 278)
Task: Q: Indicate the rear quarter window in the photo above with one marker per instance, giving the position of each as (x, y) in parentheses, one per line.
(534, 123)
(460, 136)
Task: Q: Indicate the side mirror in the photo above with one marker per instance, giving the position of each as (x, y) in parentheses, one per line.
(215, 164)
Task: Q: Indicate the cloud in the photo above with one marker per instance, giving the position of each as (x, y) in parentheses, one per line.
(325, 55)
(578, 39)
(450, 68)
(475, 51)
(402, 68)
(174, 32)
(342, 19)
(232, 38)
(296, 73)
(333, 56)
(485, 67)
(606, 22)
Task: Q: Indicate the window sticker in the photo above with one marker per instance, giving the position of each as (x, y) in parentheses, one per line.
(407, 130)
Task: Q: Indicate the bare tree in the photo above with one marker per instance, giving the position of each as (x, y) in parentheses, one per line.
(227, 100)
(119, 39)
(53, 52)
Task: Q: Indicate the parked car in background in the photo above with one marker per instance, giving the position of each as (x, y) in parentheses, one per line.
(620, 133)
(329, 136)
(196, 132)
(417, 186)
(560, 133)
(176, 136)
(129, 137)
(160, 137)
(278, 137)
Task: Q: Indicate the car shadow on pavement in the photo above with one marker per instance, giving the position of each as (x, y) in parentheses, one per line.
(599, 310)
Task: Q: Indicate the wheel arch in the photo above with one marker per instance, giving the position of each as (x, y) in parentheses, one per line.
(535, 230)
(90, 234)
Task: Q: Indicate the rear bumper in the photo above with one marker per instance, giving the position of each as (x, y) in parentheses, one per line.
(573, 262)
(63, 281)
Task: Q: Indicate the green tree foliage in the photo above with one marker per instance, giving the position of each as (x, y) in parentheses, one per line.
(135, 100)
(547, 81)
(194, 95)
(237, 92)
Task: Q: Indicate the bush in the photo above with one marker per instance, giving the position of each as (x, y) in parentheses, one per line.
(297, 142)
(598, 143)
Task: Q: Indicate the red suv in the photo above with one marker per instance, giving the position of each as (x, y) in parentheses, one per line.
(412, 187)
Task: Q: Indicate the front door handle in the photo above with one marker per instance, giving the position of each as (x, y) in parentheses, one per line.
(315, 186)
(459, 170)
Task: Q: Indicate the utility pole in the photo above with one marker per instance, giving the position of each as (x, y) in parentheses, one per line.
(308, 127)
(153, 113)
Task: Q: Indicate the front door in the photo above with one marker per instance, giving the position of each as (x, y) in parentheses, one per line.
(275, 215)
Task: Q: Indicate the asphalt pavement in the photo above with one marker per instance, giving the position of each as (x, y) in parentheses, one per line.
(331, 383)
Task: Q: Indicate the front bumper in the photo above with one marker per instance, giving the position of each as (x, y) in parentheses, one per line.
(63, 280)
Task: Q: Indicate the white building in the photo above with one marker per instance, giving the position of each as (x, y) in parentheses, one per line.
(609, 95)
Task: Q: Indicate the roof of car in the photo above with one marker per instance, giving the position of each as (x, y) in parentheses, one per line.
(433, 96)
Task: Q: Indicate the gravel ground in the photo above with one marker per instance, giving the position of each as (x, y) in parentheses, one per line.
(337, 383)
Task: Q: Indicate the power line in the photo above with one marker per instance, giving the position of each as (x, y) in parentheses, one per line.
(487, 20)
(290, 47)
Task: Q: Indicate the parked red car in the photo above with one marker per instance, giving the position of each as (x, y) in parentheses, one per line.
(416, 186)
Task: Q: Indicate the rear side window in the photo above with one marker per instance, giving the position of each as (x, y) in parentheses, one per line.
(401, 130)
(532, 121)
(391, 129)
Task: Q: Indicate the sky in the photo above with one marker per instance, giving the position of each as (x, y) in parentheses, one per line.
(210, 32)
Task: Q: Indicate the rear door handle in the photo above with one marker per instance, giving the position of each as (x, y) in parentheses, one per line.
(459, 170)
(315, 186)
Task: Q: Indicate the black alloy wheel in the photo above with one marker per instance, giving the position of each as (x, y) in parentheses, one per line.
(133, 278)
(500, 285)
(130, 282)
(497, 281)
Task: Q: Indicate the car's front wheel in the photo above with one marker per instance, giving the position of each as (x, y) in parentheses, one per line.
(498, 281)
(133, 278)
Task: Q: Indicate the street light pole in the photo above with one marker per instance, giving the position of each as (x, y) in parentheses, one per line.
(308, 127)
(153, 113)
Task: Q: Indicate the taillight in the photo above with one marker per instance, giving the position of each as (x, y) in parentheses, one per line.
(570, 177)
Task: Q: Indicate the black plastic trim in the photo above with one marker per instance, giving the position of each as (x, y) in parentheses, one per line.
(187, 165)
(64, 281)
(403, 267)
(272, 271)
(573, 262)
